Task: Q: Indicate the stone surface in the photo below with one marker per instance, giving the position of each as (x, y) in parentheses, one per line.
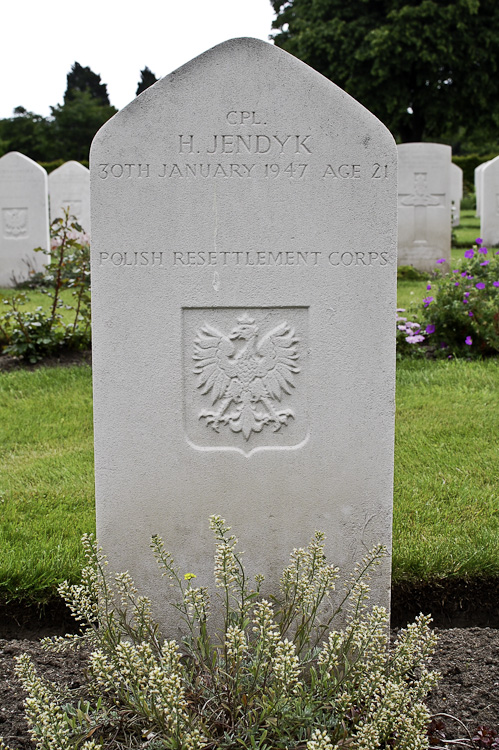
(489, 218)
(424, 205)
(23, 216)
(243, 299)
(456, 193)
(479, 187)
(69, 186)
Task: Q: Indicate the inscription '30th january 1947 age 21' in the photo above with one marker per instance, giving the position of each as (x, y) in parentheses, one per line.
(246, 374)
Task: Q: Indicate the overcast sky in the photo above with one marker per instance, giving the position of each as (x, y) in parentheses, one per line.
(41, 39)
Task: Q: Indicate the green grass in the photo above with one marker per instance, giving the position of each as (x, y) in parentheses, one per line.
(35, 299)
(446, 493)
(46, 477)
(446, 504)
(467, 231)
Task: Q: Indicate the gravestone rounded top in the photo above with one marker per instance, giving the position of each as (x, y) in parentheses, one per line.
(238, 68)
(16, 160)
(69, 169)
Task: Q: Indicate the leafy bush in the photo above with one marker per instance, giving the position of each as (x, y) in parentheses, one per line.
(34, 335)
(409, 273)
(462, 319)
(276, 676)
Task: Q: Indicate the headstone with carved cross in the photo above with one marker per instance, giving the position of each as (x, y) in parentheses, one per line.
(489, 219)
(24, 218)
(424, 213)
(243, 301)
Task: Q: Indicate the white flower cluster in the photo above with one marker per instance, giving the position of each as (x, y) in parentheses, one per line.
(390, 685)
(227, 570)
(309, 577)
(276, 666)
(235, 643)
(197, 602)
(320, 741)
(50, 728)
(286, 665)
(152, 688)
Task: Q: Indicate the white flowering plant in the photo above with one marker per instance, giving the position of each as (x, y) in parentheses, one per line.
(276, 675)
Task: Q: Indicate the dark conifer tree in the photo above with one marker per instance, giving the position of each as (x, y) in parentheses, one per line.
(147, 78)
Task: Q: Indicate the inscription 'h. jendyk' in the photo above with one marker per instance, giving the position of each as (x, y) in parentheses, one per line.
(252, 143)
(246, 378)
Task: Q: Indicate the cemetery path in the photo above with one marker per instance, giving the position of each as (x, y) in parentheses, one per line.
(468, 660)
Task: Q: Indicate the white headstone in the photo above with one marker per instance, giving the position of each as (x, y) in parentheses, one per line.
(243, 298)
(69, 187)
(479, 187)
(489, 219)
(24, 218)
(424, 212)
(456, 193)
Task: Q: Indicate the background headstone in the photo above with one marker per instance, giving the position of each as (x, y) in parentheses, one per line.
(424, 205)
(243, 216)
(456, 193)
(479, 187)
(23, 216)
(69, 186)
(489, 219)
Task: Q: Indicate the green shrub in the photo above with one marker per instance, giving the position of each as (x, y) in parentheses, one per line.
(276, 676)
(468, 164)
(409, 273)
(462, 319)
(33, 335)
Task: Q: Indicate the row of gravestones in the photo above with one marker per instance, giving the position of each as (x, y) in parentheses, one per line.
(28, 197)
(430, 190)
(487, 200)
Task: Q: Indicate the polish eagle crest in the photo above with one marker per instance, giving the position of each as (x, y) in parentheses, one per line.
(246, 375)
(15, 222)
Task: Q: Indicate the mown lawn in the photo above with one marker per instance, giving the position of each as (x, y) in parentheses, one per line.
(446, 504)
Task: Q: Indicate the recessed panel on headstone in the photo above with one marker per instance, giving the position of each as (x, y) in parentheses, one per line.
(24, 223)
(69, 188)
(243, 295)
(489, 219)
(456, 193)
(424, 204)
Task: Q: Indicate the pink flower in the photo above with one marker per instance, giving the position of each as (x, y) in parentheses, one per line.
(469, 253)
(485, 263)
(414, 339)
(480, 285)
(441, 260)
(478, 240)
(430, 328)
(495, 283)
(468, 341)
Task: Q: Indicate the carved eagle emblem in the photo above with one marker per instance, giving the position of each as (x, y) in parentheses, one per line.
(15, 222)
(246, 375)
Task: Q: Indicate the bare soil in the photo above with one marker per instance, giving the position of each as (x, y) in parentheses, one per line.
(65, 358)
(468, 660)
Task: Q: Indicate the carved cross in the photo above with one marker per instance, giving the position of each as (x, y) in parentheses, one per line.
(421, 199)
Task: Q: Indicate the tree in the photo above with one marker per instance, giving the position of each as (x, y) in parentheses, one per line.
(426, 68)
(147, 78)
(80, 79)
(28, 133)
(75, 123)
